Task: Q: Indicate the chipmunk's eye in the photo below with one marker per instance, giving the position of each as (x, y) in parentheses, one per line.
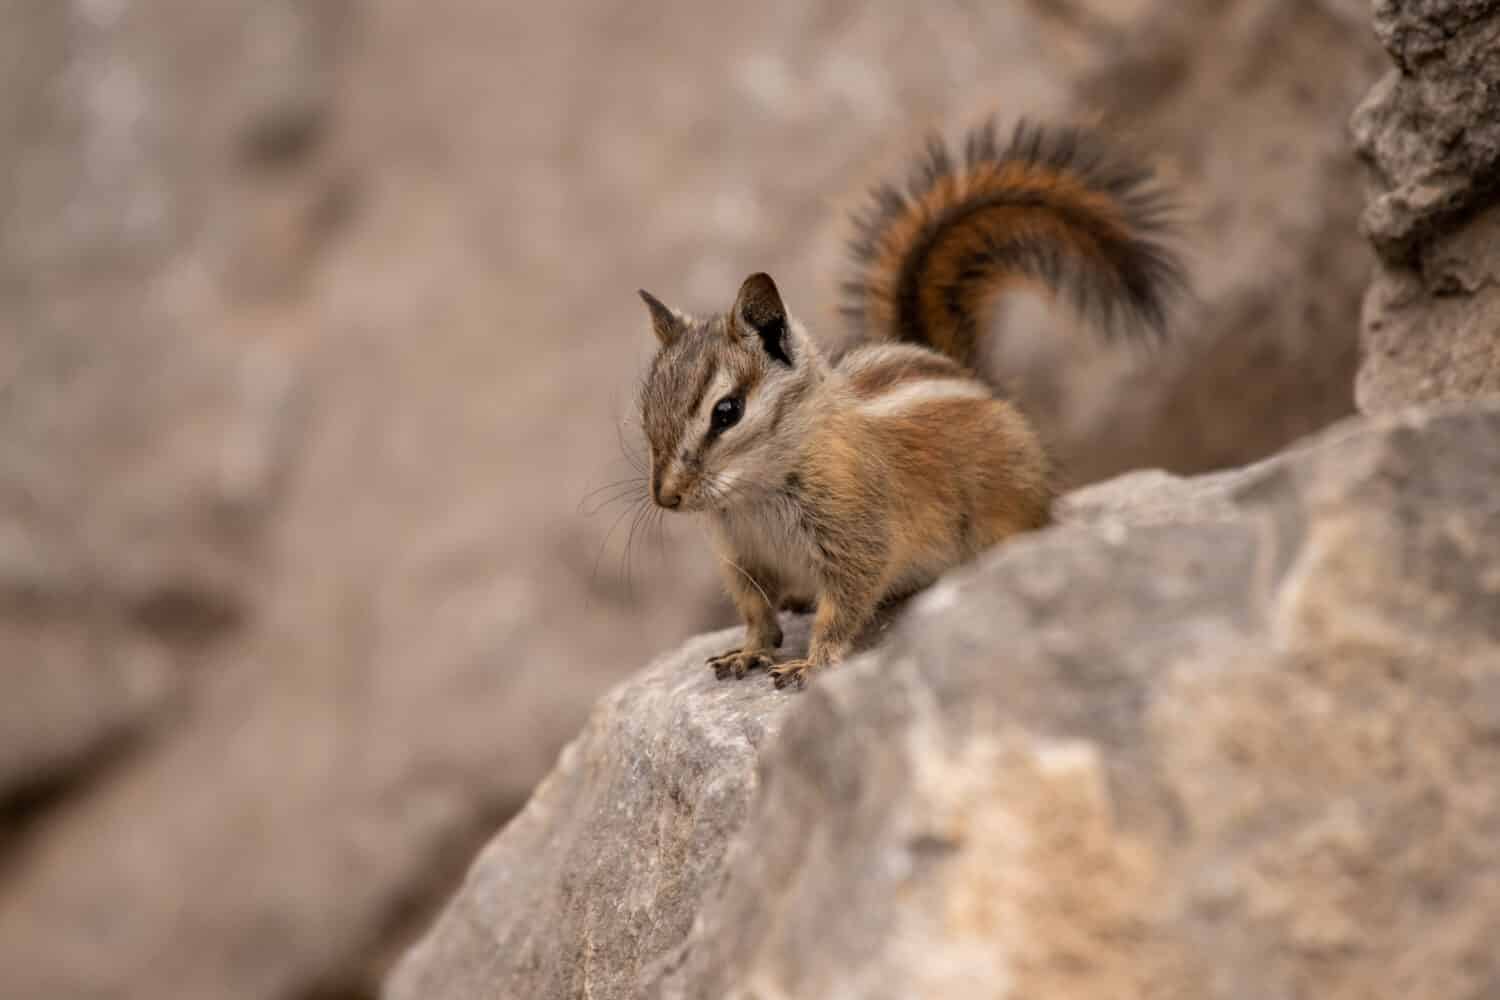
(727, 412)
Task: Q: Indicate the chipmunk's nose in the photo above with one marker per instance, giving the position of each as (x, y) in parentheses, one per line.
(666, 496)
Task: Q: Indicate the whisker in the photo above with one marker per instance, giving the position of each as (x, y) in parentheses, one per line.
(598, 558)
(648, 527)
(660, 519)
(745, 489)
(627, 481)
(634, 456)
(641, 512)
(741, 570)
(631, 491)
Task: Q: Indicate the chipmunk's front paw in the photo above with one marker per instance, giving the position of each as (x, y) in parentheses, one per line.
(737, 662)
(792, 674)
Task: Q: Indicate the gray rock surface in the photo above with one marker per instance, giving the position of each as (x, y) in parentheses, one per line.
(604, 869)
(1431, 132)
(313, 336)
(1236, 752)
(1234, 101)
(139, 460)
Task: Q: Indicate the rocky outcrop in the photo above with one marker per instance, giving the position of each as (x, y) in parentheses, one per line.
(1431, 132)
(1207, 738)
(1234, 101)
(138, 459)
(296, 599)
(604, 870)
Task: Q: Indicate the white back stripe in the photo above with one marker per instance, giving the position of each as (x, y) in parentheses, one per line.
(904, 397)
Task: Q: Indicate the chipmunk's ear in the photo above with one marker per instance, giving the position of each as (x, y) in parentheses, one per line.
(758, 311)
(666, 322)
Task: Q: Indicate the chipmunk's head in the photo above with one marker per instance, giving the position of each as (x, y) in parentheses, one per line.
(719, 403)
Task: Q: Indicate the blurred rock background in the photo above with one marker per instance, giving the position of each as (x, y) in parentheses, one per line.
(318, 328)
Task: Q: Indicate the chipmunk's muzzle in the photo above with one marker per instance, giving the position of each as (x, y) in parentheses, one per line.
(666, 490)
(671, 501)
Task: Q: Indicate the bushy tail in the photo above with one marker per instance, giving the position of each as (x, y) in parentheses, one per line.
(1054, 207)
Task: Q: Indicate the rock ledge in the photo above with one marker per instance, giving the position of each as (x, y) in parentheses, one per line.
(1236, 750)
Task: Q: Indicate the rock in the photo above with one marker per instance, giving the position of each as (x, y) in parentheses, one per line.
(605, 868)
(296, 599)
(1430, 131)
(140, 457)
(141, 462)
(1233, 101)
(1151, 496)
(1231, 752)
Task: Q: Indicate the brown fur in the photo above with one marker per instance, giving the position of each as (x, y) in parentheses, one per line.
(849, 485)
(870, 377)
(1057, 209)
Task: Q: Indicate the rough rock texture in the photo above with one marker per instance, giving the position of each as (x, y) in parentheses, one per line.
(313, 336)
(139, 459)
(605, 868)
(1242, 751)
(1235, 100)
(1431, 131)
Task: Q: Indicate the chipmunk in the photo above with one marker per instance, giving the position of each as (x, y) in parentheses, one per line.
(853, 482)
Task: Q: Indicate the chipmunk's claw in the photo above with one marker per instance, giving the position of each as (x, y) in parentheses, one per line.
(738, 662)
(792, 674)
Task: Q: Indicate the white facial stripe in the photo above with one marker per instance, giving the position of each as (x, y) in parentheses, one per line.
(904, 397)
(726, 483)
